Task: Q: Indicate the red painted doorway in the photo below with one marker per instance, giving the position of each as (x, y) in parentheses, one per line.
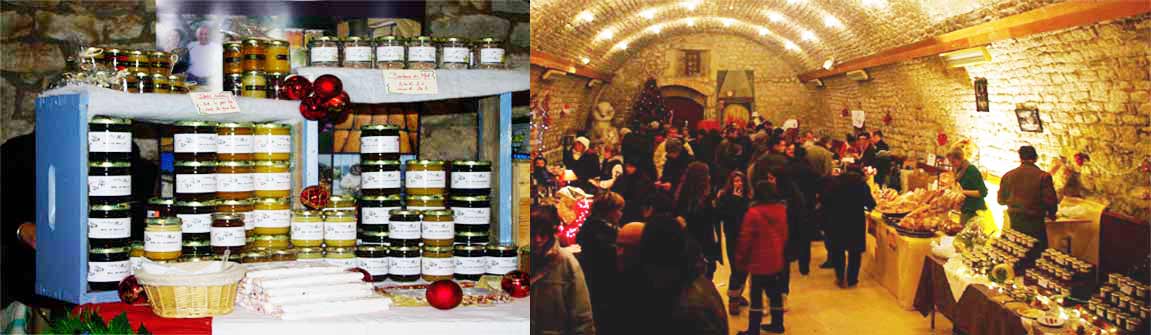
(683, 109)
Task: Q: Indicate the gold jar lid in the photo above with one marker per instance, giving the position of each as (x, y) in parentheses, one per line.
(389, 38)
(254, 73)
(234, 164)
(306, 213)
(382, 162)
(112, 50)
(425, 198)
(469, 247)
(136, 52)
(470, 198)
(161, 201)
(471, 163)
(270, 201)
(253, 42)
(425, 162)
(438, 249)
(340, 250)
(232, 44)
(341, 214)
(404, 212)
(195, 164)
(391, 197)
(235, 202)
(123, 206)
(195, 123)
(164, 221)
(234, 125)
(502, 247)
(272, 125)
(309, 250)
(278, 43)
(157, 53)
(421, 39)
(487, 40)
(208, 203)
(226, 216)
(404, 248)
(273, 164)
(373, 248)
(100, 119)
(270, 237)
(196, 243)
(471, 233)
(342, 199)
(380, 126)
(110, 164)
(109, 250)
(325, 38)
(354, 39)
(439, 212)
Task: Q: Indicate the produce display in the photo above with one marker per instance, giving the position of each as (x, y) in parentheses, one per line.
(1061, 274)
(1122, 302)
(920, 210)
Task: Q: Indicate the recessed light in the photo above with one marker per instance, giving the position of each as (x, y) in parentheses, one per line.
(691, 4)
(827, 65)
(691, 22)
(874, 3)
(585, 16)
(621, 46)
(808, 36)
(606, 34)
(585, 60)
(832, 22)
(648, 13)
(774, 16)
(727, 22)
(763, 31)
(655, 29)
(790, 45)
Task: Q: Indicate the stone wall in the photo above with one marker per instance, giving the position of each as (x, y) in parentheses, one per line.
(504, 19)
(37, 35)
(1091, 85)
(567, 90)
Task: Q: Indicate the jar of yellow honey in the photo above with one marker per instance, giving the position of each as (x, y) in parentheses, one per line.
(307, 228)
(271, 216)
(272, 142)
(162, 239)
(272, 179)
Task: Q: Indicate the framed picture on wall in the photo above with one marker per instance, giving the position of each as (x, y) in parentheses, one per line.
(981, 103)
(1029, 119)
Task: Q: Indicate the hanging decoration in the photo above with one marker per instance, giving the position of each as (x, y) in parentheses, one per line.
(845, 113)
(315, 197)
(327, 86)
(516, 283)
(1081, 158)
(444, 294)
(296, 87)
(131, 292)
(323, 100)
(541, 120)
(941, 139)
(887, 118)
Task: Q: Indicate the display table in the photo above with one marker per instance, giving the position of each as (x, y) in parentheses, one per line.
(897, 261)
(511, 318)
(974, 313)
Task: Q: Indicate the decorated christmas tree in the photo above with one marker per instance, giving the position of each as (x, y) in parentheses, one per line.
(648, 106)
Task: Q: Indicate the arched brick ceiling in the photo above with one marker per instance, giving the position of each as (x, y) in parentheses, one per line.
(804, 32)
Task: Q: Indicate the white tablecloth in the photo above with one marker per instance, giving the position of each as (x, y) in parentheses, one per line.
(512, 318)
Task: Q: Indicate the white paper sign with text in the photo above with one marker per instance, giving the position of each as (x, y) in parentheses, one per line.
(214, 102)
(411, 81)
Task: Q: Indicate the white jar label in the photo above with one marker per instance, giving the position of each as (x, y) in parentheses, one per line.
(358, 54)
(471, 265)
(108, 271)
(234, 144)
(433, 230)
(272, 144)
(341, 262)
(227, 236)
(274, 218)
(491, 56)
(272, 181)
(502, 265)
(109, 228)
(195, 142)
(404, 266)
(195, 223)
(424, 179)
(421, 54)
(374, 266)
(466, 215)
(195, 183)
(247, 217)
(456, 55)
(438, 266)
(162, 241)
(380, 144)
(325, 54)
(337, 231)
(106, 141)
(382, 179)
(404, 230)
(309, 231)
(375, 215)
(471, 180)
(137, 263)
(390, 54)
(234, 182)
(109, 186)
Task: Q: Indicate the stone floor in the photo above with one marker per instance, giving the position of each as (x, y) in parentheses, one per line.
(817, 306)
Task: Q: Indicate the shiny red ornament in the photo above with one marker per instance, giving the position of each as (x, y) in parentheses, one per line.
(131, 292)
(338, 103)
(887, 119)
(1081, 158)
(517, 284)
(315, 197)
(295, 87)
(327, 86)
(1146, 166)
(941, 139)
(311, 108)
(367, 275)
(444, 294)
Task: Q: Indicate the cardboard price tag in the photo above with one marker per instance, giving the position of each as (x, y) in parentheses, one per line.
(411, 81)
(214, 102)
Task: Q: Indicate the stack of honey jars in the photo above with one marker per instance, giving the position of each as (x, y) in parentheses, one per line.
(256, 68)
(270, 170)
(195, 144)
(148, 71)
(109, 201)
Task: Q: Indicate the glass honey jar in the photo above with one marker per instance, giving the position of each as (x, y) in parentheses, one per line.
(490, 54)
(272, 142)
(233, 57)
(471, 177)
(340, 228)
(437, 227)
(379, 178)
(195, 218)
(109, 224)
(137, 61)
(421, 53)
(227, 233)
(424, 202)
(234, 141)
(234, 82)
(196, 180)
(255, 84)
(455, 53)
(277, 59)
(271, 216)
(162, 62)
(437, 263)
(389, 52)
(274, 242)
(379, 142)
(340, 256)
(271, 179)
(307, 228)
(161, 207)
(357, 53)
(109, 181)
(116, 59)
(373, 259)
(107, 266)
(502, 258)
(275, 81)
(109, 139)
(195, 140)
(470, 261)
(239, 207)
(375, 210)
(425, 177)
(473, 213)
(179, 84)
(309, 254)
(162, 239)
(404, 263)
(160, 84)
(405, 225)
(254, 55)
(324, 51)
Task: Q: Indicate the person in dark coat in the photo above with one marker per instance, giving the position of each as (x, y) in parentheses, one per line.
(731, 154)
(731, 204)
(800, 210)
(845, 202)
(772, 161)
(597, 258)
(678, 160)
(637, 147)
(693, 204)
(585, 165)
(634, 186)
(1029, 194)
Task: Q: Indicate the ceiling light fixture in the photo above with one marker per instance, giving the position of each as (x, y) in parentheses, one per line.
(691, 22)
(727, 22)
(774, 17)
(655, 29)
(832, 22)
(790, 45)
(763, 31)
(808, 36)
(691, 4)
(648, 13)
(621, 46)
(830, 63)
(585, 60)
(606, 34)
(874, 3)
(585, 16)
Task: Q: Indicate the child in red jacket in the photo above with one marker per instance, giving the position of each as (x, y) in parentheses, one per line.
(762, 239)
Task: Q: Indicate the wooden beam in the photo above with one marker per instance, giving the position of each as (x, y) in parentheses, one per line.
(1072, 13)
(544, 59)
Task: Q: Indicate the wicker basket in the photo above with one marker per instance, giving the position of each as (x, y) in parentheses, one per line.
(193, 296)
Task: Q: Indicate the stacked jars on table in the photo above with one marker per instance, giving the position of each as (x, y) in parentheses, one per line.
(256, 68)
(392, 52)
(1123, 302)
(147, 71)
(109, 200)
(271, 174)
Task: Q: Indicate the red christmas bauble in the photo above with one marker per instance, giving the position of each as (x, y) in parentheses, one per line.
(338, 103)
(327, 86)
(296, 87)
(367, 275)
(941, 139)
(131, 292)
(517, 284)
(311, 108)
(315, 197)
(444, 294)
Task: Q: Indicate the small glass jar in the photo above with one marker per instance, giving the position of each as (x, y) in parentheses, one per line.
(195, 218)
(380, 178)
(283, 255)
(340, 228)
(437, 227)
(255, 256)
(490, 54)
(271, 179)
(455, 53)
(271, 216)
(379, 142)
(373, 259)
(233, 57)
(437, 263)
(275, 81)
(160, 84)
(227, 233)
(234, 180)
(272, 142)
(162, 239)
(255, 55)
(470, 262)
(340, 256)
(471, 178)
(471, 238)
(502, 259)
(241, 207)
(340, 203)
(404, 225)
(278, 241)
(196, 180)
(161, 62)
(424, 202)
(324, 51)
(109, 224)
(109, 139)
(375, 210)
(137, 61)
(389, 52)
(234, 141)
(195, 140)
(255, 84)
(307, 228)
(116, 59)
(276, 58)
(374, 235)
(136, 82)
(357, 53)
(179, 84)
(234, 82)
(473, 213)
(199, 248)
(136, 256)
(421, 53)
(425, 177)
(310, 254)
(404, 263)
(107, 266)
(109, 181)
(161, 208)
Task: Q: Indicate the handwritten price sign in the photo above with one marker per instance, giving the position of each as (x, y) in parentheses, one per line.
(215, 102)
(411, 81)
